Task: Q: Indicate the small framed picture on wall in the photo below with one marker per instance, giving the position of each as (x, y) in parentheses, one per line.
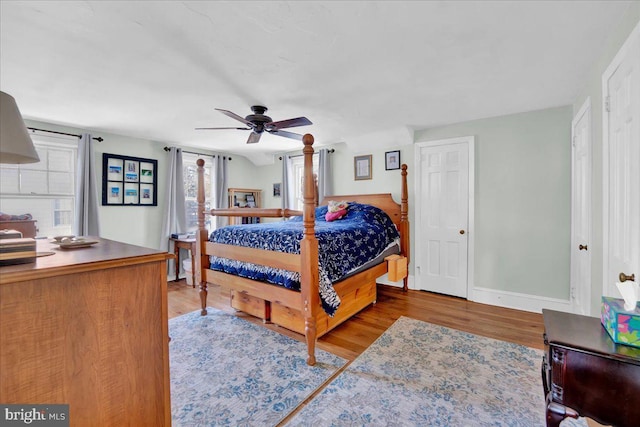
(362, 167)
(392, 160)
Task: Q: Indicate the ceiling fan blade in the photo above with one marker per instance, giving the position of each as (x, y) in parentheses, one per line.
(222, 128)
(291, 123)
(253, 138)
(286, 134)
(235, 116)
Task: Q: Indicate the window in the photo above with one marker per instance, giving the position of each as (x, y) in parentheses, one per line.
(297, 171)
(46, 189)
(190, 177)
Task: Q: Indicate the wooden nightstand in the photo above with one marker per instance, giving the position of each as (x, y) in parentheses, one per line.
(190, 245)
(584, 373)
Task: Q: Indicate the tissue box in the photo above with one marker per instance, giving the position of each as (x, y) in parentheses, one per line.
(623, 326)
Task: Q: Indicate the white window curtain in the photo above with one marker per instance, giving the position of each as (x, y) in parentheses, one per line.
(174, 219)
(86, 219)
(325, 175)
(288, 189)
(220, 187)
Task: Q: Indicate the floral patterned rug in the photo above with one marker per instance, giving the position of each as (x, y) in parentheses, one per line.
(420, 374)
(228, 371)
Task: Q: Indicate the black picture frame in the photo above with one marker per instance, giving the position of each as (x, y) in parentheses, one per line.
(129, 181)
(392, 160)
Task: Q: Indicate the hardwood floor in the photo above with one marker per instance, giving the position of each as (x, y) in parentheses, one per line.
(354, 336)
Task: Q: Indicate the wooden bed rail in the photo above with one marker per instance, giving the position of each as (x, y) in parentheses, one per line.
(256, 212)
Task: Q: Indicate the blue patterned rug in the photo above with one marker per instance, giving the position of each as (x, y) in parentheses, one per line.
(419, 374)
(228, 371)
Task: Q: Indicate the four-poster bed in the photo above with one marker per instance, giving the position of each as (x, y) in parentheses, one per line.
(301, 310)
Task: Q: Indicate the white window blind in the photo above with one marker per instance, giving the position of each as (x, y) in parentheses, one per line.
(46, 189)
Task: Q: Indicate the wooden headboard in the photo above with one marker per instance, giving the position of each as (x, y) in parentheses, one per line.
(399, 213)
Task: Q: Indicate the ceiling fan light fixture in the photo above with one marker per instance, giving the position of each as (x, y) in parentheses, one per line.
(258, 123)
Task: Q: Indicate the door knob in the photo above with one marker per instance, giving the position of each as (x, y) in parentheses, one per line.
(623, 278)
(582, 247)
(461, 231)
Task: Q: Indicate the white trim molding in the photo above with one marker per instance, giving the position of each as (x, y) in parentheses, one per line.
(518, 301)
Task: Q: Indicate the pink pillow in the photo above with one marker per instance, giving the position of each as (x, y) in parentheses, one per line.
(332, 216)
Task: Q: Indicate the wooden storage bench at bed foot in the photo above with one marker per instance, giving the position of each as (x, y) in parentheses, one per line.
(351, 303)
(251, 305)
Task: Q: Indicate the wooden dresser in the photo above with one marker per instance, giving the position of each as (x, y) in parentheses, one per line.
(584, 373)
(88, 327)
(26, 226)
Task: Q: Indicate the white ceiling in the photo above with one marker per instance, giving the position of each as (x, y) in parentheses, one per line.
(361, 71)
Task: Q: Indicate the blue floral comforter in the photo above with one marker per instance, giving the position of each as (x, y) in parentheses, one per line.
(344, 245)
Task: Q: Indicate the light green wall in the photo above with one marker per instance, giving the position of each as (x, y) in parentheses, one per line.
(593, 90)
(522, 200)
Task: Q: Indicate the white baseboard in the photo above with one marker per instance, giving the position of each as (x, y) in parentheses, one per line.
(507, 299)
(519, 301)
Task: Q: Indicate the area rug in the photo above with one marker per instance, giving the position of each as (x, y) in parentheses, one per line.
(228, 371)
(420, 374)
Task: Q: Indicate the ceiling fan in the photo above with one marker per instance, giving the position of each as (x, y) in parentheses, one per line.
(258, 123)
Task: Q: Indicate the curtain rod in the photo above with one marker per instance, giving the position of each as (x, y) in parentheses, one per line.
(193, 152)
(99, 139)
(332, 150)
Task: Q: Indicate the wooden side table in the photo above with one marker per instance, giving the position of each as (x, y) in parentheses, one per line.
(190, 245)
(584, 373)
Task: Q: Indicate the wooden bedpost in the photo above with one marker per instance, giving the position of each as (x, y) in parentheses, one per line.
(404, 222)
(309, 284)
(201, 240)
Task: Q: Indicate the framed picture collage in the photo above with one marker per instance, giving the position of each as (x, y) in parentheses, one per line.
(129, 181)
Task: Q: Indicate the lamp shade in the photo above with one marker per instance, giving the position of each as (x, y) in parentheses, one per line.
(15, 143)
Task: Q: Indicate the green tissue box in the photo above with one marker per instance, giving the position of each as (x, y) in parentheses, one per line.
(623, 326)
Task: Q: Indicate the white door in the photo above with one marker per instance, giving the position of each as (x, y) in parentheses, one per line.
(442, 216)
(581, 210)
(621, 168)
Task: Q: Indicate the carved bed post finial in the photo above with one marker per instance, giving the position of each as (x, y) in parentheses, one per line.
(404, 222)
(201, 239)
(309, 285)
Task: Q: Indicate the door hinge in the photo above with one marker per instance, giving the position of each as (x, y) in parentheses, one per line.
(573, 141)
(607, 104)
